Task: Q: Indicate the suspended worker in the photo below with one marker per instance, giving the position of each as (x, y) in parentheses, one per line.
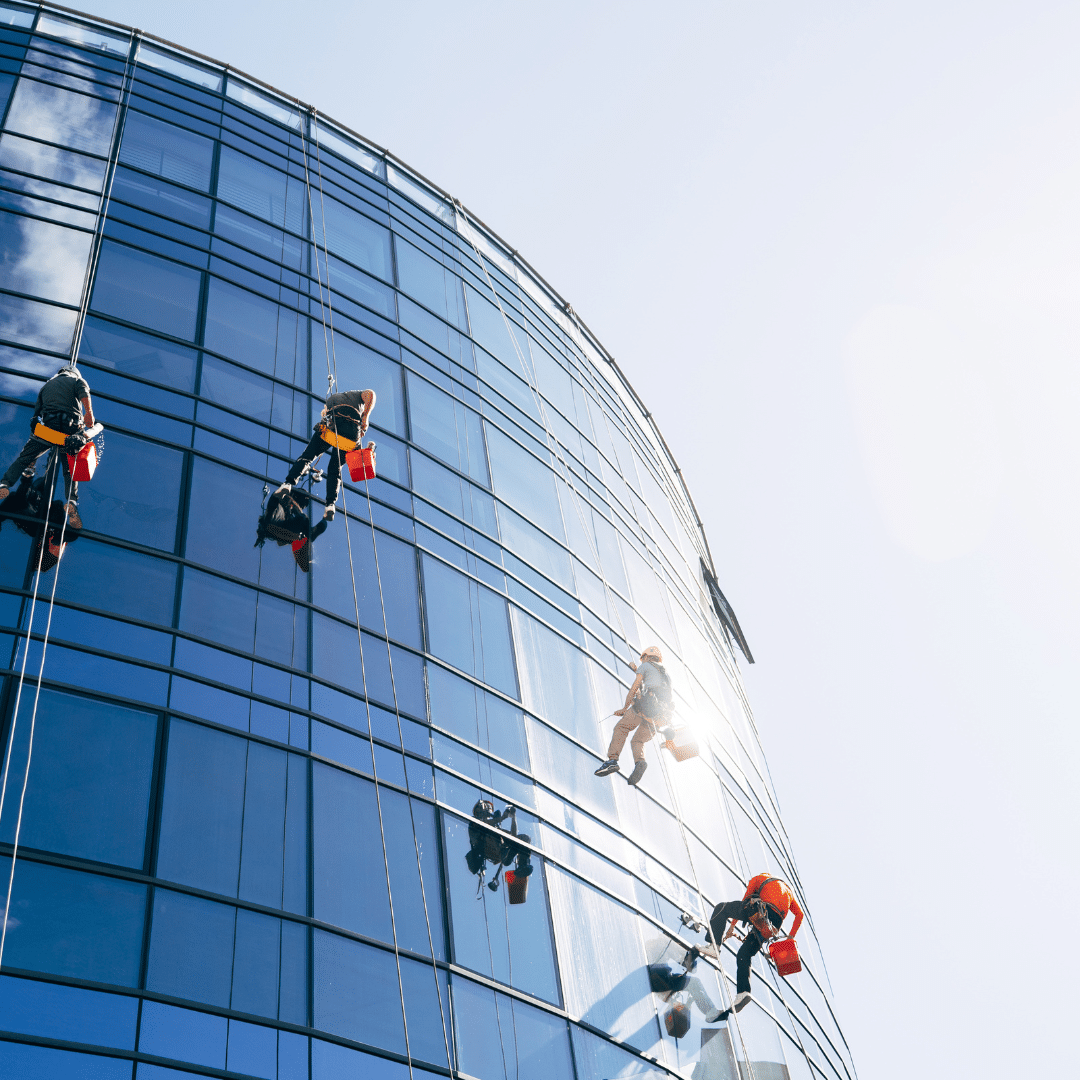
(28, 506)
(285, 520)
(648, 708)
(62, 410)
(493, 844)
(344, 423)
(762, 909)
(671, 971)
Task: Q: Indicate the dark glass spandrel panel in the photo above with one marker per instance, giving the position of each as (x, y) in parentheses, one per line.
(61, 116)
(183, 1034)
(52, 1011)
(530, 1044)
(507, 942)
(525, 482)
(136, 496)
(191, 948)
(202, 809)
(349, 867)
(361, 368)
(89, 787)
(167, 151)
(412, 845)
(44, 1063)
(477, 716)
(31, 322)
(42, 258)
(83, 926)
(147, 290)
(241, 325)
(134, 353)
(356, 992)
(350, 284)
(447, 429)
(468, 627)
(354, 237)
(255, 235)
(249, 394)
(261, 190)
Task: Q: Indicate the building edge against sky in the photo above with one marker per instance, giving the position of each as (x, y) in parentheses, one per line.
(246, 818)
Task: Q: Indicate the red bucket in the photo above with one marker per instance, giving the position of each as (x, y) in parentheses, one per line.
(301, 550)
(785, 955)
(361, 462)
(517, 887)
(82, 465)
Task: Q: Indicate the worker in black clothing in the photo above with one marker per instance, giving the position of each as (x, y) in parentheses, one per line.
(29, 508)
(344, 423)
(494, 845)
(285, 520)
(63, 409)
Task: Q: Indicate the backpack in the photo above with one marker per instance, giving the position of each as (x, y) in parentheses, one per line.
(657, 703)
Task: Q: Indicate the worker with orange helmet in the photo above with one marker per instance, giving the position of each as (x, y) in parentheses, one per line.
(763, 908)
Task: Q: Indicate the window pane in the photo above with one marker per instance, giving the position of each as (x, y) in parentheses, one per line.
(360, 368)
(65, 166)
(42, 258)
(202, 808)
(241, 325)
(191, 948)
(228, 546)
(167, 151)
(133, 353)
(261, 190)
(430, 282)
(218, 609)
(65, 1012)
(448, 429)
(80, 925)
(183, 1034)
(89, 788)
(43, 1063)
(508, 942)
(61, 116)
(30, 322)
(147, 290)
(526, 483)
(356, 238)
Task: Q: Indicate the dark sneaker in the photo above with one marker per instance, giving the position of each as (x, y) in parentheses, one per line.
(638, 773)
(283, 489)
(329, 512)
(608, 767)
(742, 999)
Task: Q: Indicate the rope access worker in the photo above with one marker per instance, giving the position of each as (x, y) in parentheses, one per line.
(648, 709)
(285, 520)
(62, 410)
(763, 909)
(493, 845)
(344, 423)
(29, 508)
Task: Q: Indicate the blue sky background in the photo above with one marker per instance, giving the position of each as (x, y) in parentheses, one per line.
(834, 247)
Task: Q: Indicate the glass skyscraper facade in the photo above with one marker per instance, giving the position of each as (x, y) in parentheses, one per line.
(247, 812)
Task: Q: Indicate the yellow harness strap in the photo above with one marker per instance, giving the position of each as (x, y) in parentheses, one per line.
(47, 434)
(333, 439)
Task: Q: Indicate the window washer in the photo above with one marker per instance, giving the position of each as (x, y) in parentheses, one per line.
(763, 909)
(344, 423)
(492, 844)
(62, 409)
(648, 709)
(27, 507)
(285, 520)
(666, 978)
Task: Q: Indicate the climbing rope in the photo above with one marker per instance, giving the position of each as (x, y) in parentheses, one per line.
(331, 357)
(55, 466)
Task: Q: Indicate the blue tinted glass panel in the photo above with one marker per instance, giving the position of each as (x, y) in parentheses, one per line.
(252, 1050)
(256, 963)
(191, 948)
(156, 147)
(81, 925)
(202, 810)
(89, 786)
(356, 992)
(525, 482)
(66, 1012)
(357, 238)
(241, 325)
(261, 190)
(447, 429)
(160, 197)
(330, 1061)
(427, 1009)
(218, 609)
(147, 290)
(43, 1063)
(228, 546)
(360, 368)
(350, 874)
(183, 1034)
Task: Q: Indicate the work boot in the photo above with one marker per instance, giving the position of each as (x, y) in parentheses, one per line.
(5, 491)
(283, 489)
(329, 512)
(73, 516)
(609, 766)
(639, 771)
(742, 999)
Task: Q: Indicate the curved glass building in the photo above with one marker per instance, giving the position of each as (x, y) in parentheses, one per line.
(245, 841)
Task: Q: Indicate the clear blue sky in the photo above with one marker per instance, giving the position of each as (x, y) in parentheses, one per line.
(834, 246)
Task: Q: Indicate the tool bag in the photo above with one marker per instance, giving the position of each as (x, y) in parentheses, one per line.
(677, 1020)
(682, 745)
(361, 462)
(785, 955)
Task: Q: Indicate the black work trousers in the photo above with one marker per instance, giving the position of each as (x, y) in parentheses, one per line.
(741, 910)
(317, 446)
(28, 456)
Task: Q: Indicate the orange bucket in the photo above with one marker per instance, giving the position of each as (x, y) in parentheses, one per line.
(785, 955)
(361, 462)
(82, 465)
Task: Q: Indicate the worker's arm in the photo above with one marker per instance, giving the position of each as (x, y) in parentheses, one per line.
(368, 398)
(88, 412)
(631, 694)
(798, 918)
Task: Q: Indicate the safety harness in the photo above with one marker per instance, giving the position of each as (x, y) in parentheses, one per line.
(756, 911)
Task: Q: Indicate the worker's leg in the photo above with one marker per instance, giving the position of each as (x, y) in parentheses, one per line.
(699, 997)
(743, 957)
(333, 475)
(626, 724)
(300, 466)
(33, 449)
(643, 735)
(722, 914)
